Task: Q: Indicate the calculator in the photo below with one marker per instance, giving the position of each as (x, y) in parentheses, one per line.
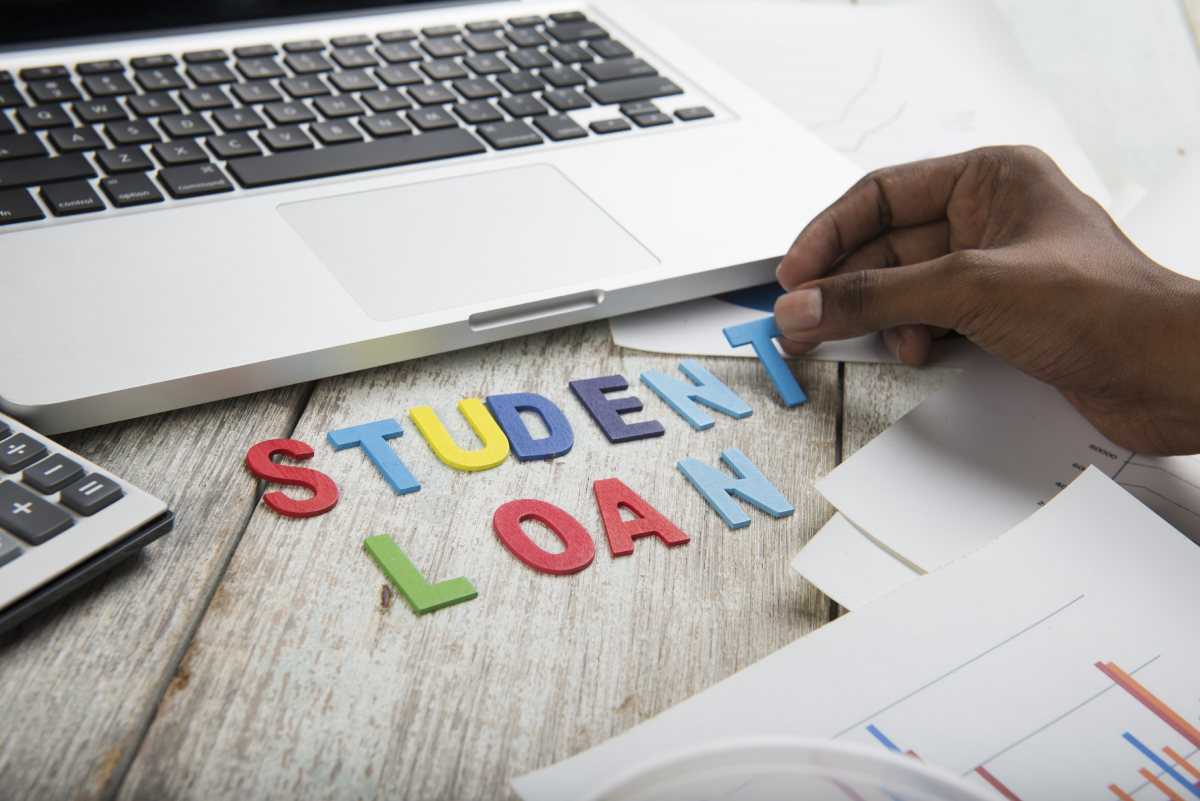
(63, 521)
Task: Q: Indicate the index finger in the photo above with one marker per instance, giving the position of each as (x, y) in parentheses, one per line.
(900, 196)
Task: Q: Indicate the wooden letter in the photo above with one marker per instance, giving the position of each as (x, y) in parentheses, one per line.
(707, 389)
(372, 438)
(325, 492)
(761, 334)
(421, 595)
(507, 408)
(611, 494)
(495, 444)
(580, 548)
(716, 487)
(607, 413)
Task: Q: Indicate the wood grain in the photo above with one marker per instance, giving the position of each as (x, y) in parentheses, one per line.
(877, 395)
(79, 682)
(310, 678)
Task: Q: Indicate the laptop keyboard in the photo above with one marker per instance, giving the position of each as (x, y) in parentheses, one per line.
(108, 134)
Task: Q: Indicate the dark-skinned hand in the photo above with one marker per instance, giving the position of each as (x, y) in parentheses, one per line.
(998, 245)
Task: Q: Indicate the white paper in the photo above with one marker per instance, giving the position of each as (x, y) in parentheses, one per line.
(1163, 223)
(990, 662)
(851, 568)
(979, 456)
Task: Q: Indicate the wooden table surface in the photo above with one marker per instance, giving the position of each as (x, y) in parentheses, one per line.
(249, 655)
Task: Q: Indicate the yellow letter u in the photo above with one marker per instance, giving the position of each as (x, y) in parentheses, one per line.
(495, 444)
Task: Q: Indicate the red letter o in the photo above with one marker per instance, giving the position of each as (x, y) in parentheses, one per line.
(580, 548)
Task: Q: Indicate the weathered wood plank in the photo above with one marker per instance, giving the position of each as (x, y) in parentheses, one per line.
(311, 678)
(79, 682)
(877, 395)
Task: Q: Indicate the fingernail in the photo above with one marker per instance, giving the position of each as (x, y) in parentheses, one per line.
(799, 311)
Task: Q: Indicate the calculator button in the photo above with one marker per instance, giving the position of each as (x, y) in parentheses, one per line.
(17, 453)
(90, 494)
(71, 197)
(50, 475)
(29, 517)
(9, 549)
(131, 190)
(4, 429)
(18, 206)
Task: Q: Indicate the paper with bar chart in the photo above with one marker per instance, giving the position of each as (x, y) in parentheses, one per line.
(1057, 662)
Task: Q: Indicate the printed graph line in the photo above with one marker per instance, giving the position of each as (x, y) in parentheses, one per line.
(857, 96)
(1151, 702)
(1157, 782)
(1121, 794)
(1160, 495)
(955, 670)
(996, 783)
(1163, 766)
(1123, 466)
(1144, 785)
(867, 133)
(1160, 469)
(1181, 761)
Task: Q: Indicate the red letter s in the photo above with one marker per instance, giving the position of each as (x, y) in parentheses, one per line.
(325, 492)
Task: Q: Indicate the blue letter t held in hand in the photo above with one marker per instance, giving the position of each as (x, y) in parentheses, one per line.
(761, 334)
(716, 487)
(372, 438)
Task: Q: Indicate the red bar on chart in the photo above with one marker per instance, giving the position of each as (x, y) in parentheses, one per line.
(1157, 782)
(1168, 715)
(1183, 763)
(1000, 788)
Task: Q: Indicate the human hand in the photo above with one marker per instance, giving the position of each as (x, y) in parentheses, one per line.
(998, 245)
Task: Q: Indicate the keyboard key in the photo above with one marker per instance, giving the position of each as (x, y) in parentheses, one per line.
(559, 127)
(485, 25)
(287, 137)
(255, 68)
(574, 31)
(124, 159)
(354, 57)
(525, 22)
(632, 89)
(357, 40)
(5, 77)
(609, 126)
(336, 132)
(34, 172)
(90, 494)
(506, 135)
(181, 151)
(693, 113)
(182, 126)
(305, 63)
(204, 99)
(6, 126)
(484, 42)
(44, 73)
(431, 94)
(51, 475)
(232, 146)
(133, 132)
(71, 197)
(444, 70)
(193, 180)
(390, 152)
(476, 88)
(159, 79)
(208, 74)
(652, 118)
(304, 87)
(638, 107)
(339, 106)
(518, 82)
(398, 52)
(386, 100)
(440, 30)
(285, 113)
(566, 99)
(238, 119)
(477, 112)
(523, 106)
(37, 118)
(619, 68)
(401, 75)
(529, 59)
(380, 125)
(53, 91)
(29, 517)
(571, 54)
(396, 36)
(18, 206)
(99, 67)
(443, 48)
(10, 97)
(150, 62)
(99, 111)
(74, 140)
(610, 48)
(562, 77)
(255, 51)
(135, 189)
(203, 56)
(568, 16)
(4, 429)
(430, 119)
(9, 549)
(20, 146)
(256, 92)
(108, 85)
(153, 104)
(526, 37)
(353, 81)
(487, 65)
(18, 452)
(304, 46)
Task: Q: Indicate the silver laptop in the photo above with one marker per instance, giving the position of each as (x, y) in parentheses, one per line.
(200, 200)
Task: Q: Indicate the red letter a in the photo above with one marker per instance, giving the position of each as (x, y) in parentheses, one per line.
(611, 494)
(325, 492)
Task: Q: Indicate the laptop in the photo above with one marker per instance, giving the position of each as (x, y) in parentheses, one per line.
(202, 200)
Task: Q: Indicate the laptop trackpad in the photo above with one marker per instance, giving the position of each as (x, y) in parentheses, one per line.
(442, 244)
